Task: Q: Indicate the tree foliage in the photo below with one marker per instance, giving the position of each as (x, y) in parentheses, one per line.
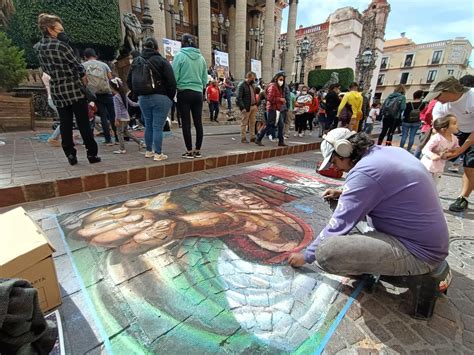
(12, 63)
(88, 23)
(317, 78)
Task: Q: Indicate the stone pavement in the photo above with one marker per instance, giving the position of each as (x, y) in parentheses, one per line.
(376, 323)
(31, 170)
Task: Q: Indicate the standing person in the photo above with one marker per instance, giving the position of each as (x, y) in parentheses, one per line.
(391, 112)
(212, 98)
(454, 98)
(435, 147)
(246, 100)
(371, 118)
(290, 114)
(229, 91)
(355, 100)
(98, 75)
(365, 111)
(261, 109)
(54, 138)
(275, 99)
(68, 78)
(189, 67)
(411, 120)
(284, 117)
(151, 79)
(332, 103)
(304, 106)
(122, 118)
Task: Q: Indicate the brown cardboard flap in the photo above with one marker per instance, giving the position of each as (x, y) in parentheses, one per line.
(22, 243)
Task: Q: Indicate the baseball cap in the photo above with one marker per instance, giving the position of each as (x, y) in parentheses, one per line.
(327, 145)
(449, 84)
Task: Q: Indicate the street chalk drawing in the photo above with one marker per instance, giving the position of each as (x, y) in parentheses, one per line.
(202, 269)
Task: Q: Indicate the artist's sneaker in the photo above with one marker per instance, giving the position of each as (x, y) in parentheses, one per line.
(149, 154)
(159, 157)
(459, 205)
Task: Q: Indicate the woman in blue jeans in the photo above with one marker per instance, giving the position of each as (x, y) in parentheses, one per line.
(154, 104)
(411, 120)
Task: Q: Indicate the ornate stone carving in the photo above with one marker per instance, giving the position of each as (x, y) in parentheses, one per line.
(133, 31)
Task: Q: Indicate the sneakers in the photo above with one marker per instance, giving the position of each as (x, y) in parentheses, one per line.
(159, 157)
(187, 155)
(459, 205)
(301, 135)
(197, 154)
(149, 154)
(120, 151)
(282, 144)
(54, 142)
(270, 138)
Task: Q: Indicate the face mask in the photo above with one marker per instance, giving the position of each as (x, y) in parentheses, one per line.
(280, 82)
(62, 36)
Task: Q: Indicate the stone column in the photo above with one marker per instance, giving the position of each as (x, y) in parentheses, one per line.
(159, 23)
(231, 39)
(268, 41)
(240, 38)
(204, 27)
(291, 38)
(168, 26)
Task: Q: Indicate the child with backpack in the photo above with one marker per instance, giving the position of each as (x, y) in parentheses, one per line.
(122, 118)
(434, 147)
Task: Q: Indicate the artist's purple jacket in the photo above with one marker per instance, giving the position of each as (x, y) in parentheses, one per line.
(396, 193)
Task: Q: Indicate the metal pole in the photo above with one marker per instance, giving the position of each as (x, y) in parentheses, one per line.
(302, 69)
(296, 69)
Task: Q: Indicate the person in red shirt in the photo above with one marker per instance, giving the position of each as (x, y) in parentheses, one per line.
(212, 98)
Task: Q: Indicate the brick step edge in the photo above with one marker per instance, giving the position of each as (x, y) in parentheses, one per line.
(57, 188)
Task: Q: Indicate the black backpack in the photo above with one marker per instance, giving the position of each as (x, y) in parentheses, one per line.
(145, 77)
(391, 107)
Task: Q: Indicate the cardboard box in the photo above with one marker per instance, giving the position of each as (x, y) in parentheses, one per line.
(26, 253)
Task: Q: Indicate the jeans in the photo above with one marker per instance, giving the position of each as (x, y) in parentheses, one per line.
(213, 110)
(190, 102)
(154, 109)
(228, 94)
(409, 129)
(271, 121)
(106, 111)
(123, 131)
(79, 110)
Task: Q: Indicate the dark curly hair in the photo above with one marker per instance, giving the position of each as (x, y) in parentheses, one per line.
(360, 143)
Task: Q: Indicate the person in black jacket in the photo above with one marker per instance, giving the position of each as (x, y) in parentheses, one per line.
(156, 104)
(247, 102)
(332, 104)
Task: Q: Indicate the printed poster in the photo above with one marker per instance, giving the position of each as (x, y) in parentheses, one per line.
(170, 48)
(256, 67)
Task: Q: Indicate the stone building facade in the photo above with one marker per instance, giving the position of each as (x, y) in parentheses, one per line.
(418, 66)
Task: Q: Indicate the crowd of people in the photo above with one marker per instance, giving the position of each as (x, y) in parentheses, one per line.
(156, 87)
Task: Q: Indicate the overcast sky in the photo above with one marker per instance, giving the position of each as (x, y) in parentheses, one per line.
(423, 21)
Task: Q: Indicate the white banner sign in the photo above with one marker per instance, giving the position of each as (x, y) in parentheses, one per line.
(221, 59)
(170, 48)
(256, 67)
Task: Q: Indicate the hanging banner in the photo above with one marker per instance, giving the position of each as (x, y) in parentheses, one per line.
(221, 60)
(170, 48)
(256, 67)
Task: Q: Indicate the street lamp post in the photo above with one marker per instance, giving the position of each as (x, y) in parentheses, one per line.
(365, 63)
(304, 47)
(171, 10)
(222, 25)
(283, 47)
(257, 35)
(297, 62)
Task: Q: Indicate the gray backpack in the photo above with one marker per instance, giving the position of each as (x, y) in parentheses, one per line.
(98, 80)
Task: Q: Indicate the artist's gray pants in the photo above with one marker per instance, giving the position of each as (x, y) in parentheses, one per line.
(373, 253)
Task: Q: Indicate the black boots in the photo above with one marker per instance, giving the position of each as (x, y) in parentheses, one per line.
(93, 159)
(72, 159)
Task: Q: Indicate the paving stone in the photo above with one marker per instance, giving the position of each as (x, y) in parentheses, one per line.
(402, 333)
(350, 333)
(443, 326)
(421, 352)
(336, 344)
(398, 349)
(465, 307)
(264, 321)
(446, 309)
(468, 322)
(430, 336)
(375, 331)
(468, 339)
(374, 307)
(355, 311)
(121, 268)
(449, 351)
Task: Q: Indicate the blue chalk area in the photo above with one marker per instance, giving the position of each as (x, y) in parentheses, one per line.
(304, 208)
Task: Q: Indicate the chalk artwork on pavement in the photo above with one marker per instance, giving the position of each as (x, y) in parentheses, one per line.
(203, 268)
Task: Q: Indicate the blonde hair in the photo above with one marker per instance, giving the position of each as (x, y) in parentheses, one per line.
(400, 89)
(46, 21)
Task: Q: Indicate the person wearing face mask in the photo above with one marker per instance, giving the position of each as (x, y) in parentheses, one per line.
(275, 93)
(68, 78)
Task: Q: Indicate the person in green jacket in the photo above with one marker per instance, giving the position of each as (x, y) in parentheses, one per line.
(190, 71)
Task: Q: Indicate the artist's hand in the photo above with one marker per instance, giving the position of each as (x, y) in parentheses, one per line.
(331, 194)
(296, 260)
